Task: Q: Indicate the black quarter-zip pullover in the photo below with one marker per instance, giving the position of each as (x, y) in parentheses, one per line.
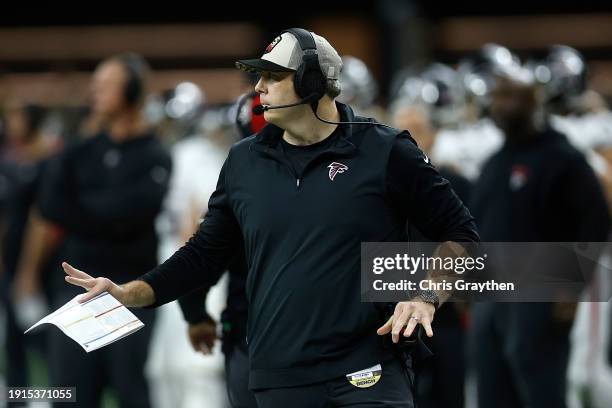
(302, 239)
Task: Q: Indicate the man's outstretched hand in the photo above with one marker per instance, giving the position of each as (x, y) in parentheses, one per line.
(94, 286)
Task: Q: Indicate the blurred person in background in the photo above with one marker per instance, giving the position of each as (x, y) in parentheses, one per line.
(428, 104)
(180, 377)
(360, 88)
(537, 188)
(563, 76)
(446, 370)
(24, 295)
(581, 115)
(105, 193)
(473, 138)
(589, 372)
(202, 327)
(175, 113)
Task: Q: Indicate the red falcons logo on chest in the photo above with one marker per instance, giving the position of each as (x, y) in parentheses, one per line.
(336, 168)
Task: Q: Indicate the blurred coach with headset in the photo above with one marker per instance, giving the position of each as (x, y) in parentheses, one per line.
(303, 193)
(105, 193)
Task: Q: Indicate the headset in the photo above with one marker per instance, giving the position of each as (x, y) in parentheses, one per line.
(309, 82)
(135, 67)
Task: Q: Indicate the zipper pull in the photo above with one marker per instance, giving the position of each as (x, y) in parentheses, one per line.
(297, 182)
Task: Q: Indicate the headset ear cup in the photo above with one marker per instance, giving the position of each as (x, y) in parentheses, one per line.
(313, 83)
(309, 79)
(133, 90)
(297, 81)
(135, 68)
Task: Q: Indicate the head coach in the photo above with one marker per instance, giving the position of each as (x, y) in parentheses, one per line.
(304, 192)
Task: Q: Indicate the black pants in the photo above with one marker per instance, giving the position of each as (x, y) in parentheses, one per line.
(18, 344)
(119, 365)
(393, 390)
(520, 355)
(16, 374)
(446, 369)
(237, 378)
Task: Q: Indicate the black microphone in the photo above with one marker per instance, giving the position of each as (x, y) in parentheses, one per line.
(259, 109)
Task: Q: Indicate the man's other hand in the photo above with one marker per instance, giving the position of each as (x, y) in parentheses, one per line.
(202, 336)
(409, 314)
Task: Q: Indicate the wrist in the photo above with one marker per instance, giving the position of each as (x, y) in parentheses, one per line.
(200, 318)
(427, 296)
(135, 294)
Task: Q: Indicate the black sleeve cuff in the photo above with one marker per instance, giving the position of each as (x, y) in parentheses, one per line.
(148, 279)
(193, 306)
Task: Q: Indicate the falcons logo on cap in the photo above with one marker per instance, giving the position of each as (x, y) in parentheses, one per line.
(336, 168)
(271, 46)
